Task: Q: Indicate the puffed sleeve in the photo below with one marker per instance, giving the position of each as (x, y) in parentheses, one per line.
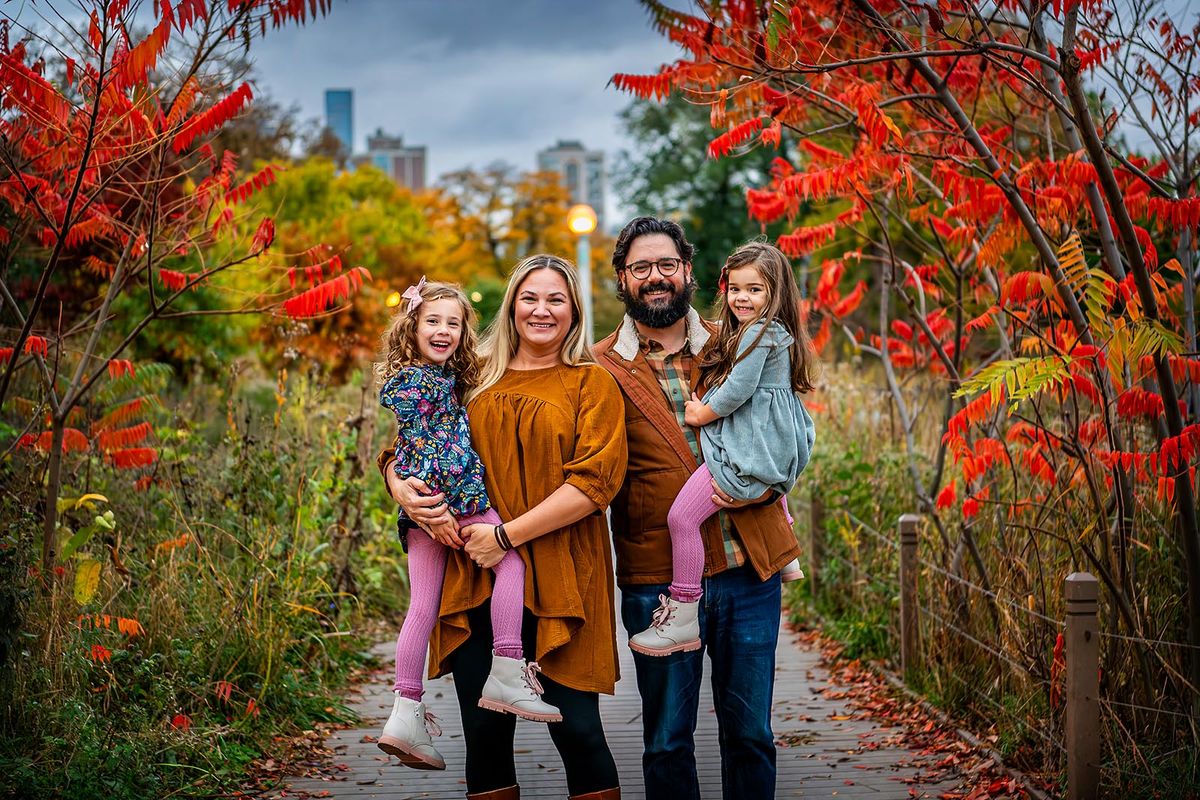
(741, 382)
(381, 460)
(403, 392)
(597, 467)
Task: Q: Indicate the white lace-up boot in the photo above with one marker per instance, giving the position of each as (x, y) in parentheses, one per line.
(406, 735)
(512, 687)
(791, 571)
(675, 628)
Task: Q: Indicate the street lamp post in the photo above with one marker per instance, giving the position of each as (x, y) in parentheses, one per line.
(581, 219)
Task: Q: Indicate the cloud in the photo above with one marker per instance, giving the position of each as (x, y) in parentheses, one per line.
(474, 81)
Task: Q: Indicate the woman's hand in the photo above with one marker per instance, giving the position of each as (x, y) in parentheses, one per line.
(429, 511)
(482, 546)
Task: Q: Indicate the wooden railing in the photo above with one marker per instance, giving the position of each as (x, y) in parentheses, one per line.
(1082, 729)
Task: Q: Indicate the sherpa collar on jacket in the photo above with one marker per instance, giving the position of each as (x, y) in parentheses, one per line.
(627, 343)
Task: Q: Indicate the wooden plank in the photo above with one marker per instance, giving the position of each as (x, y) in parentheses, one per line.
(820, 751)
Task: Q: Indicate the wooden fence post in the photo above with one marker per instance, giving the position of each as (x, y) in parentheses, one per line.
(910, 631)
(816, 544)
(1083, 687)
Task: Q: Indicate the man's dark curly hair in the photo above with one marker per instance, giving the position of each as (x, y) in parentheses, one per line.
(647, 225)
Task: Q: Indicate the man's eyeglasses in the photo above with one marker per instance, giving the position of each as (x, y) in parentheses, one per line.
(666, 267)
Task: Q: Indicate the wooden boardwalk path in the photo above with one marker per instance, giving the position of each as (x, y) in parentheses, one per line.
(824, 750)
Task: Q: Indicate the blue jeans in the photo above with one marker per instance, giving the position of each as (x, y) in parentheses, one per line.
(739, 627)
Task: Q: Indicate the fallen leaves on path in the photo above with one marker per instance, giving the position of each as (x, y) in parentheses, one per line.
(939, 754)
(303, 755)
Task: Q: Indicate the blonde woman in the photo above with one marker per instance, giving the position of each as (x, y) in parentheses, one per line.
(547, 422)
(430, 363)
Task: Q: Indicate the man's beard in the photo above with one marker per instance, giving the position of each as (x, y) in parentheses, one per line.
(658, 316)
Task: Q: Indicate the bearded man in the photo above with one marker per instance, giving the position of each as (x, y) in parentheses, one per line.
(654, 356)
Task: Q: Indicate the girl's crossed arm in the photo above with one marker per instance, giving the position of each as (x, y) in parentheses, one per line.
(734, 391)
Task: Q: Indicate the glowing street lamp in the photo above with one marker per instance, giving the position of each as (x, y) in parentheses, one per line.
(581, 219)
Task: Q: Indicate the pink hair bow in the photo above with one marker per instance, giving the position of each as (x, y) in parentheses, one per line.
(413, 295)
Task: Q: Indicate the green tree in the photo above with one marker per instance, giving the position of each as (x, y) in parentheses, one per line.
(366, 220)
(669, 174)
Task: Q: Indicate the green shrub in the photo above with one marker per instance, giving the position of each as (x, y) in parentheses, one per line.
(217, 621)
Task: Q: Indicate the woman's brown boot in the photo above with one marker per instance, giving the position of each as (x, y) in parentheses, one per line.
(603, 794)
(509, 793)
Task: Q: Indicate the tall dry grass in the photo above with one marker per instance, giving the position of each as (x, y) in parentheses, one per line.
(991, 591)
(217, 620)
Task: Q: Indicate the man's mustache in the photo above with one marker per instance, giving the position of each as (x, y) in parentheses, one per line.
(660, 286)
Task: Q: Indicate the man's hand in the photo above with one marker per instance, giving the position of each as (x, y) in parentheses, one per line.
(725, 501)
(429, 511)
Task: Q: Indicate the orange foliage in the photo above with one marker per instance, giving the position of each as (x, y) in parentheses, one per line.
(803, 241)
(143, 57)
(36, 344)
(125, 437)
(948, 495)
(172, 544)
(131, 458)
(125, 625)
(208, 121)
(120, 366)
(173, 279)
(73, 441)
(737, 135)
(321, 297)
(264, 177)
(121, 414)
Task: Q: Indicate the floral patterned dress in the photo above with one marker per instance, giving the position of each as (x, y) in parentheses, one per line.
(433, 439)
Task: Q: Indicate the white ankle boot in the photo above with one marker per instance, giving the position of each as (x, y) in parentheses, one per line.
(512, 687)
(406, 735)
(675, 629)
(791, 571)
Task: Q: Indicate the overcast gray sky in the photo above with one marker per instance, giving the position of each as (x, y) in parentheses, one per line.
(475, 81)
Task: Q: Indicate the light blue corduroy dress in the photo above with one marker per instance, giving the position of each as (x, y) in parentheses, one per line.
(765, 435)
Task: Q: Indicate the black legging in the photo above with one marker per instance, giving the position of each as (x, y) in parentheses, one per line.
(579, 738)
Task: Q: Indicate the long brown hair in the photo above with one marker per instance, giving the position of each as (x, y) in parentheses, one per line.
(399, 342)
(783, 306)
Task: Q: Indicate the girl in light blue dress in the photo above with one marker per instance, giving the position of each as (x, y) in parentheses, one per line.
(756, 435)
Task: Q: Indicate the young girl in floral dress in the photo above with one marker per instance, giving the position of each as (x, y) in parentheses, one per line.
(429, 365)
(756, 434)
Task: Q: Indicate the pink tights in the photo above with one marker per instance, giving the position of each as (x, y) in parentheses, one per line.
(426, 570)
(691, 508)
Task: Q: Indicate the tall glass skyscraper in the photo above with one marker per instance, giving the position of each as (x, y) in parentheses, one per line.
(339, 116)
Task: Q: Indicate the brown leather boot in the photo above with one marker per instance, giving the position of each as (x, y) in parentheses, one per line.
(603, 794)
(509, 793)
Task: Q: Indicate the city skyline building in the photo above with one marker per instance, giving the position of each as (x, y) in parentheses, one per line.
(405, 164)
(339, 116)
(582, 171)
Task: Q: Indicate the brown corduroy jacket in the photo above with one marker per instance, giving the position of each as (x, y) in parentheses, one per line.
(660, 462)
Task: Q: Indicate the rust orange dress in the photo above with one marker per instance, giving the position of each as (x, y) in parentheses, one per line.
(535, 430)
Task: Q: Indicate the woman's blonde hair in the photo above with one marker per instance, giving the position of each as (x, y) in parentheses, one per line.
(399, 343)
(499, 342)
